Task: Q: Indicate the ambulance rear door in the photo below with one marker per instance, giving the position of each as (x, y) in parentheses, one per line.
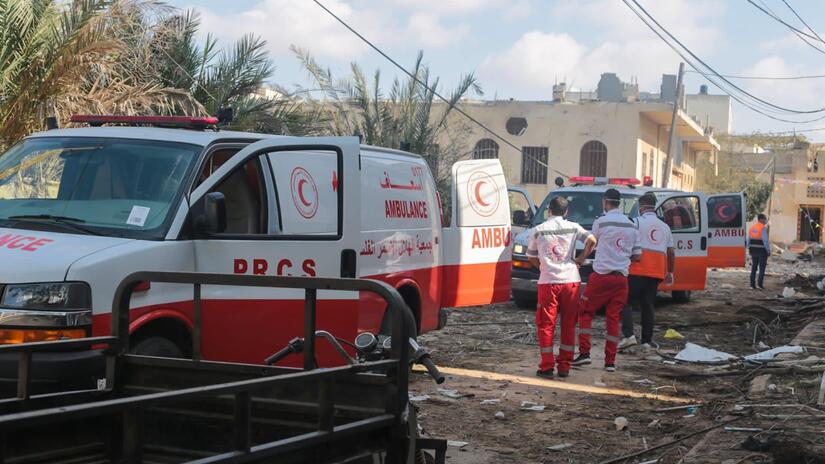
(476, 251)
(685, 213)
(726, 229)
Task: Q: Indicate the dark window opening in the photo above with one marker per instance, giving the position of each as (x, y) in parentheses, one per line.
(593, 160)
(485, 149)
(534, 165)
(516, 126)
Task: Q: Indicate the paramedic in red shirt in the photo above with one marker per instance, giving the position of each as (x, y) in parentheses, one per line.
(656, 266)
(618, 244)
(552, 249)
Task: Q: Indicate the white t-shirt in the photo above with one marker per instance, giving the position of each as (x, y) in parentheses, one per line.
(553, 242)
(618, 238)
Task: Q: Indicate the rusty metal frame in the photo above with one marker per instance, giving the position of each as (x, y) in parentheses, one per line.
(129, 409)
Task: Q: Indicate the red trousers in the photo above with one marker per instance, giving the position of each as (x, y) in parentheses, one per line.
(607, 291)
(555, 300)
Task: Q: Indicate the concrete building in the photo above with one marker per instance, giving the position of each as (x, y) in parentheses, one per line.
(615, 135)
(798, 208)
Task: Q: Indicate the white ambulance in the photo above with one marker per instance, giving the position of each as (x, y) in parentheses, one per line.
(82, 208)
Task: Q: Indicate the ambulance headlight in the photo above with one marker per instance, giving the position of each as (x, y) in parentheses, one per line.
(58, 296)
(520, 249)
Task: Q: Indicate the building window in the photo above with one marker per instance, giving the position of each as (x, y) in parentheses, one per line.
(650, 168)
(816, 187)
(593, 161)
(516, 126)
(534, 165)
(644, 164)
(485, 149)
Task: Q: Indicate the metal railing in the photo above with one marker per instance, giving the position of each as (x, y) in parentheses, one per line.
(396, 370)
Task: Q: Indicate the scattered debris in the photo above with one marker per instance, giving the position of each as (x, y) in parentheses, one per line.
(672, 334)
(788, 292)
(770, 354)
(531, 406)
(419, 398)
(492, 401)
(654, 423)
(599, 383)
(620, 423)
(743, 429)
(454, 393)
(698, 353)
(457, 444)
(645, 382)
(560, 447)
(499, 415)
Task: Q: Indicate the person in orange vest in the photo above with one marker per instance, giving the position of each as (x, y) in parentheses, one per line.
(552, 250)
(758, 245)
(656, 266)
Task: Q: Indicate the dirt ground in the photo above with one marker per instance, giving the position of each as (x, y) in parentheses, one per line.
(490, 355)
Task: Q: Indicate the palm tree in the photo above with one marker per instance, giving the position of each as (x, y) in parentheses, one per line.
(230, 78)
(59, 58)
(409, 113)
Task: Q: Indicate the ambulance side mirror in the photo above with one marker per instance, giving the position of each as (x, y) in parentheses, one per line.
(210, 214)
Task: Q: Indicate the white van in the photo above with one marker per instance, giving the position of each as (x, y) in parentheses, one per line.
(82, 208)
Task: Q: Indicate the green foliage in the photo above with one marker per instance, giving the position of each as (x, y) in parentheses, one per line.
(228, 78)
(409, 112)
(734, 179)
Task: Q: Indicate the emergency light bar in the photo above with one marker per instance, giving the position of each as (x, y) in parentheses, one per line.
(589, 180)
(160, 121)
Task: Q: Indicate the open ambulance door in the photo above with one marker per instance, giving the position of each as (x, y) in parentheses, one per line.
(687, 218)
(476, 248)
(726, 229)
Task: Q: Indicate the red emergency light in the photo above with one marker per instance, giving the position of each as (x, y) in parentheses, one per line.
(160, 121)
(590, 180)
(647, 181)
(624, 181)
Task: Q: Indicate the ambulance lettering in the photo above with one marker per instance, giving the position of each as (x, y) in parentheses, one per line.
(684, 245)
(405, 209)
(23, 242)
(282, 267)
(729, 233)
(491, 237)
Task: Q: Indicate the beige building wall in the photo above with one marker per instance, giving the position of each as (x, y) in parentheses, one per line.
(633, 133)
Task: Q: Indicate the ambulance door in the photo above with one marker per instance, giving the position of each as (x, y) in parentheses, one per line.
(292, 210)
(726, 229)
(476, 249)
(522, 208)
(687, 218)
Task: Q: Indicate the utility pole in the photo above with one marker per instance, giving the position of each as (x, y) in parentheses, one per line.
(672, 139)
(773, 185)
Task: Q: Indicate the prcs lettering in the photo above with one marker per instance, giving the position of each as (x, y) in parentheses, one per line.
(281, 267)
(491, 237)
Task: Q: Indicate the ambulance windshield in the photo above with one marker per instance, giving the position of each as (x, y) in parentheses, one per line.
(117, 187)
(585, 207)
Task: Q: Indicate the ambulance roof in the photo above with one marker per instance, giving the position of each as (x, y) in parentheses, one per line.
(195, 137)
(623, 189)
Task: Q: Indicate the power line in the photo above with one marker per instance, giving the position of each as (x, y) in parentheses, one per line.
(803, 21)
(429, 89)
(804, 36)
(767, 78)
(722, 83)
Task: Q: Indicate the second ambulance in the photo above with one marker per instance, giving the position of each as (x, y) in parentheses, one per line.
(708, 231)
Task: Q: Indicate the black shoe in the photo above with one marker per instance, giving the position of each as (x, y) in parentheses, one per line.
(610, 367)
(753, 287)
(761, 287)
(548, 374)
(582, 360)
(563, 375)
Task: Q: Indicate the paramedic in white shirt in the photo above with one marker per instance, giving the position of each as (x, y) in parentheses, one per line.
(552, 249)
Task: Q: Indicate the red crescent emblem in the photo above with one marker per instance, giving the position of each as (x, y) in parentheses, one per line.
(619, 243)
(301, 193)
(478, 194)
(722, 212)
(653, 235)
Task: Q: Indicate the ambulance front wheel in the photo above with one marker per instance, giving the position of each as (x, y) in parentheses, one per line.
(681, 296)
(157, 346)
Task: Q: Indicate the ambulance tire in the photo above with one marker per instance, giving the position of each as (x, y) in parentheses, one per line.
(681, 296)
(157, 346)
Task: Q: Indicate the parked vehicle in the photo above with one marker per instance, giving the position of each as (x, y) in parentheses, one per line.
(522, 208)
(82, 208)
(708, 230)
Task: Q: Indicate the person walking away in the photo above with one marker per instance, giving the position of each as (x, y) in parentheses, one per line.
(758, 245)
(618, 244)
(656, 266)
(552, 249)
